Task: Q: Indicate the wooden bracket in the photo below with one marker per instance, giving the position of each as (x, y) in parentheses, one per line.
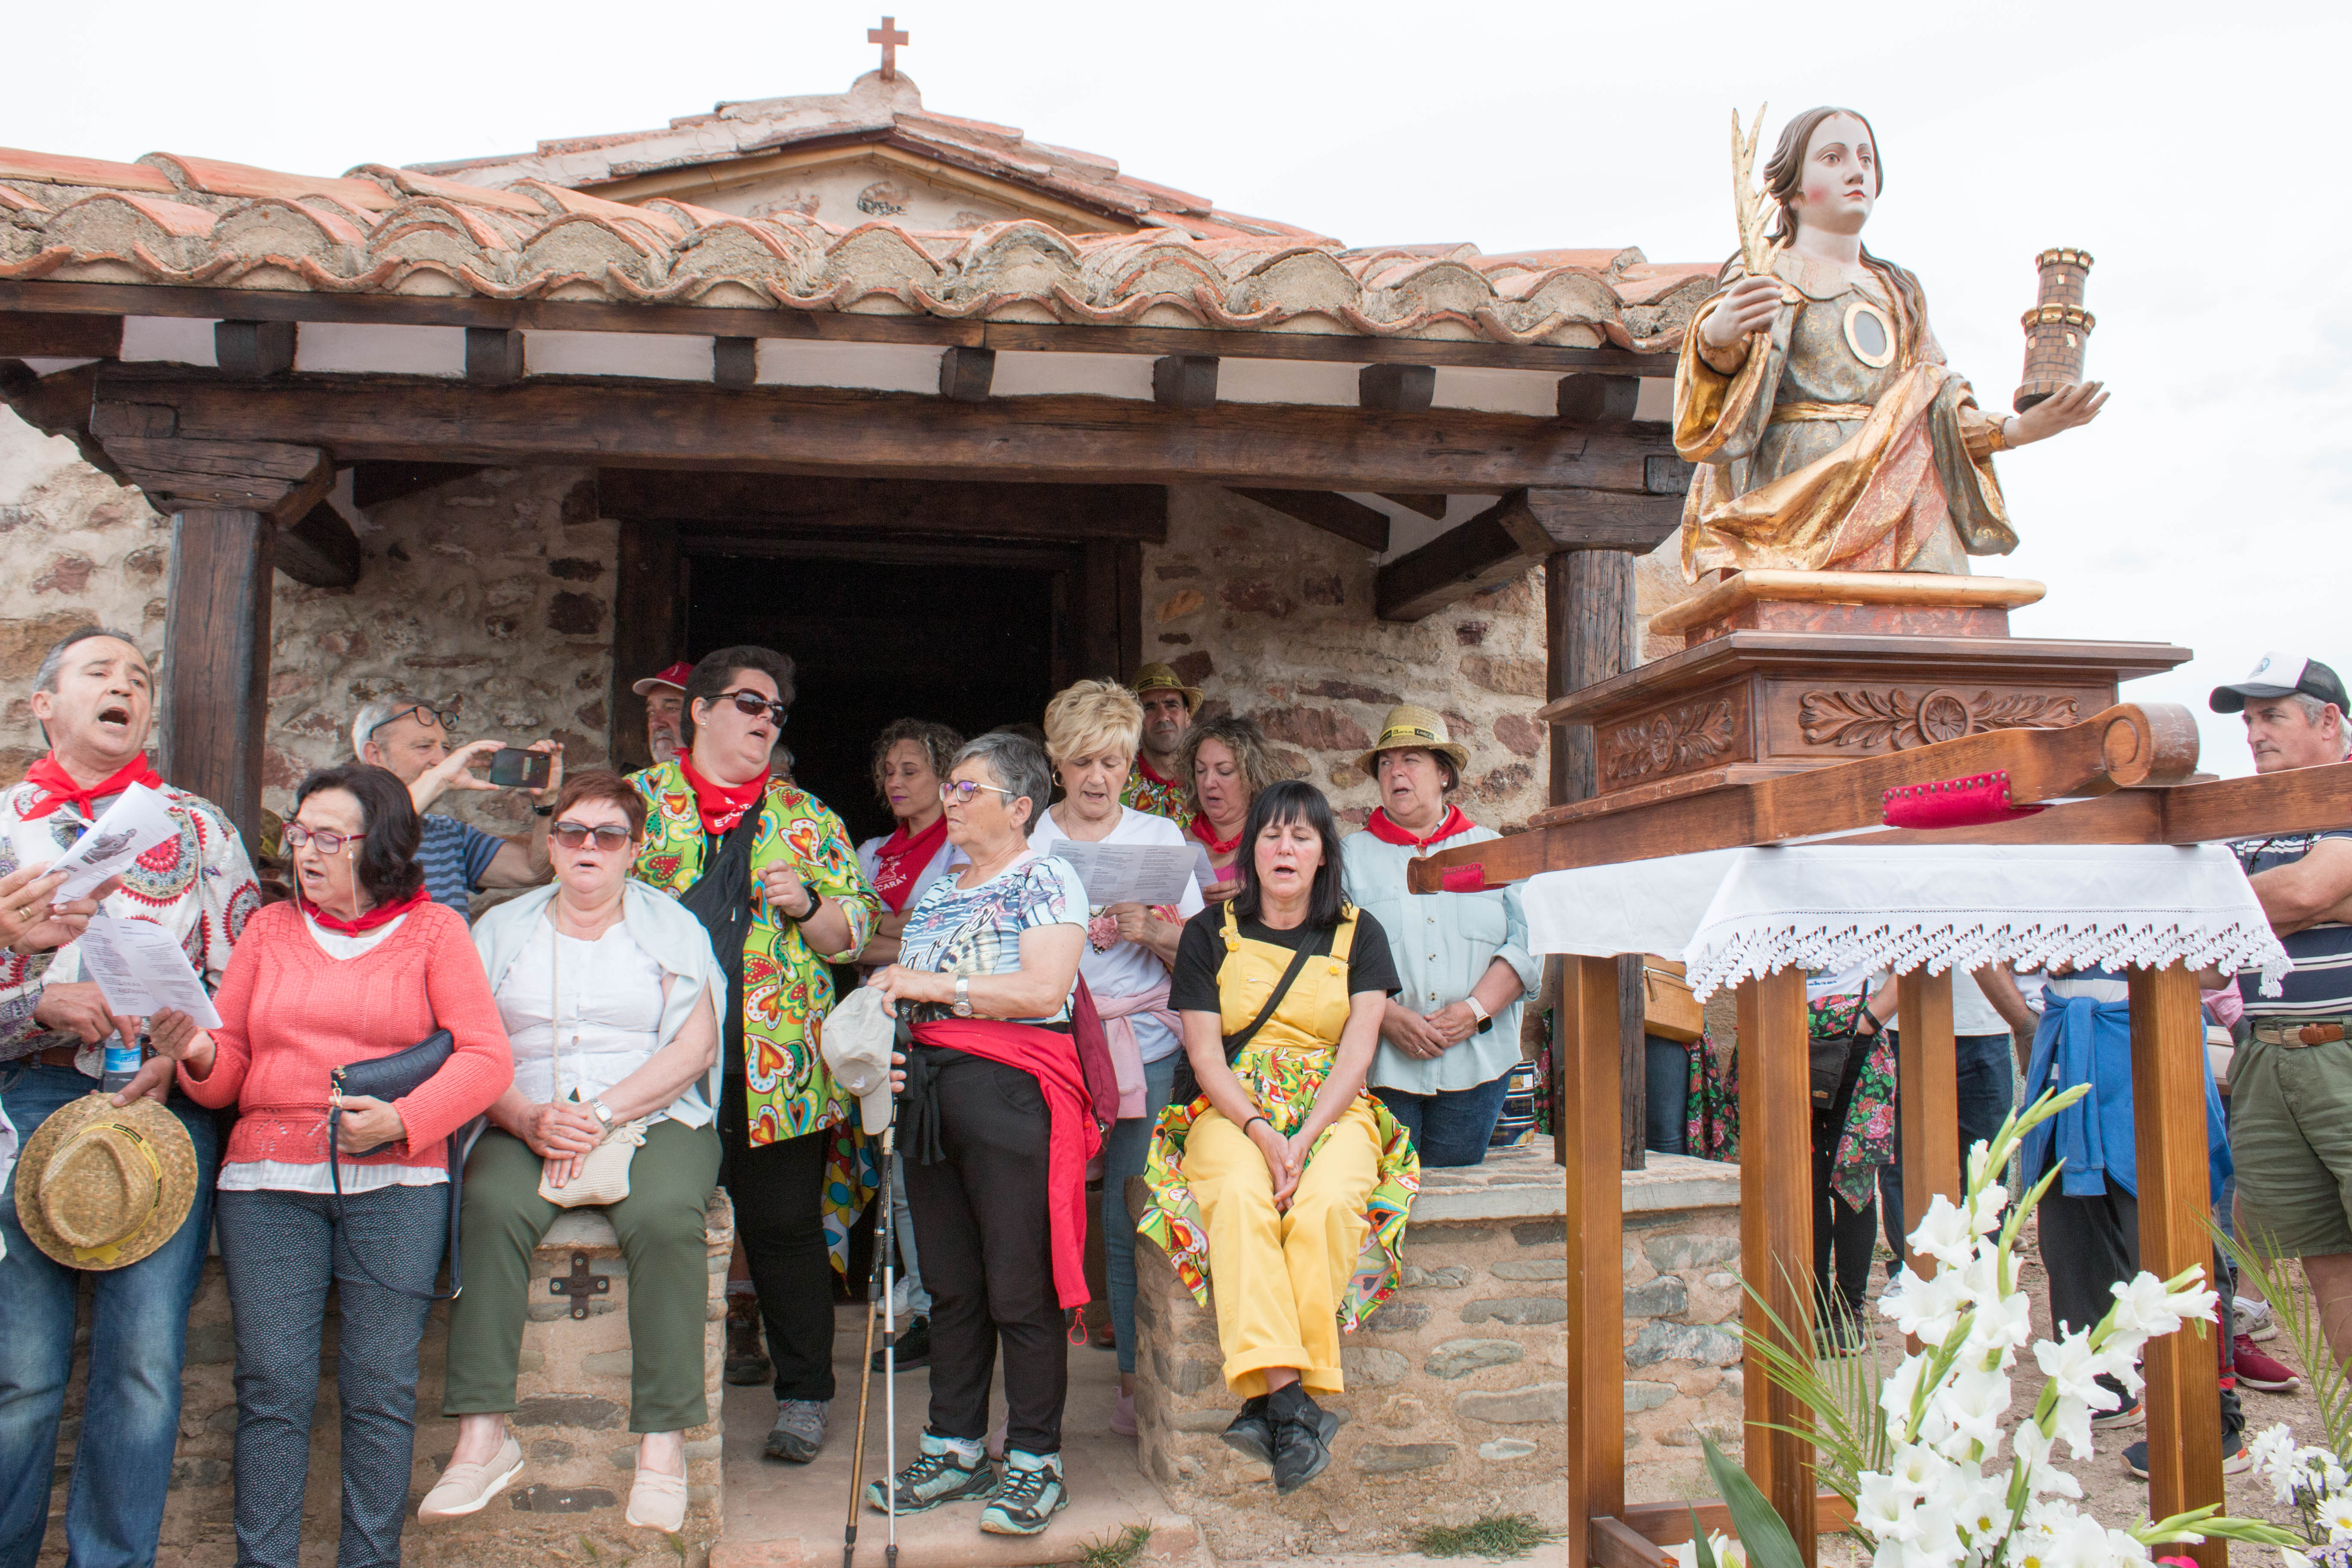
(1586, 398)
(965, 374)
(1431, 507)
(275, 479)
(1334, 514)
(494, 355)
(1484, 553)
(1184, 381)
(319, 550)
(735, 361)
(1666, 476)
(254, 351)
(1396, 388)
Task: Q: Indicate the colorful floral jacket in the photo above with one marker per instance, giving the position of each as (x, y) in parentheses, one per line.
(787, 989)
(1147, 790)
(199, 887)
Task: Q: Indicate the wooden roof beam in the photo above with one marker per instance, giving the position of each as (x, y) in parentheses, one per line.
(1507, 538)
(1060, 438)
(1334, 514)
(32, 334)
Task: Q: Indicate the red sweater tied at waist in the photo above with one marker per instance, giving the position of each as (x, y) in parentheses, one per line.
(1051, 1058)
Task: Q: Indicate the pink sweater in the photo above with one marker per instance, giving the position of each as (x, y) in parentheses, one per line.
(291, 1015)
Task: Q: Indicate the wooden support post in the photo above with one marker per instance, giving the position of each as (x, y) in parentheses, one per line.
(254, 350)
(965, 374)
(2168, 1075)
(1776, 1231)
(1590, 399)
(1596, 1268)
(494, 356)
(1588, 636)
(1928, 1075)
(1634, 1067)
(216, 660)
(1396, 388)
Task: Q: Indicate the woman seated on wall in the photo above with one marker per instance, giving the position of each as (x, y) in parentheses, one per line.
(997, 1133)
(361, 964)
(1280, 1179)
(609, 991)
(1449, 1043)
(1227, 761)
(1092, 730)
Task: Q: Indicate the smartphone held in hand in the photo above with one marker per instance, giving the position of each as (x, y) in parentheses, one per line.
(515, 768)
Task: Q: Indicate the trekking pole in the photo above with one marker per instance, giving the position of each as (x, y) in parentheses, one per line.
(879, 1282)
(890, 1343)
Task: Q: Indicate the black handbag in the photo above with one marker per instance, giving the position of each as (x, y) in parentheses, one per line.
(1834, 1062)
(387, 1078)
(1186, 1085)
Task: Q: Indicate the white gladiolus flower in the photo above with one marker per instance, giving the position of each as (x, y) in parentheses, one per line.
(1894, 1395)
(1976, 1402)
(1984, 1210)
(2032, 1447)
(1918, 1470)
(2142, 1307)
(1927, 1308)
(1944, 1234)
(2070, 1422)
(2073, 1369)
(1883, 1507)
(2004, 1325)
(1728, 1552)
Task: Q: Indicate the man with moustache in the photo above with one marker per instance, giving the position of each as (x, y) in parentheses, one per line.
(1168, 708)
(94, 697)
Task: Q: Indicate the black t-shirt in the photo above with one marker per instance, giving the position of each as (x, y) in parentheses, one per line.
(1200, 952)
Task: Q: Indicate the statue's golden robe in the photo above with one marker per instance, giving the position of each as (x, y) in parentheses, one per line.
(1793, 473)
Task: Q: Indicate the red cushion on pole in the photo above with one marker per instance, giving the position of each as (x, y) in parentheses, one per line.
(1470, 879)
(1954, 803)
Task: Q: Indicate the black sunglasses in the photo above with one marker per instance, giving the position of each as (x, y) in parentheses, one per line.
(752, 704)
(607, 835)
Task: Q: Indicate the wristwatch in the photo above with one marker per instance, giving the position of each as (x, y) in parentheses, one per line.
(602, 1114)
(963, 1008)
(1478, 1011)
(816, 903)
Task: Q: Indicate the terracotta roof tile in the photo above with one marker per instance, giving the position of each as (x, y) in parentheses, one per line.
(57, 169)
(212, 177)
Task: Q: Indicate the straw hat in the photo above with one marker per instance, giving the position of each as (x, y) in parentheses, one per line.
(1160, 678)
(1407, 725)
(100, 1187)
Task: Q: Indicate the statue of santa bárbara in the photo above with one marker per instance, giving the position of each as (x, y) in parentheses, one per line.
(1828, 434)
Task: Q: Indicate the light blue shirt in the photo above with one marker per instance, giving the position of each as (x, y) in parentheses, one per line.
(1443, 944)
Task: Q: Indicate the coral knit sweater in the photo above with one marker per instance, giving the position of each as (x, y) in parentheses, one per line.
(290, 1016)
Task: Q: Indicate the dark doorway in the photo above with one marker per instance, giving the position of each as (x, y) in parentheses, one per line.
(971, 638)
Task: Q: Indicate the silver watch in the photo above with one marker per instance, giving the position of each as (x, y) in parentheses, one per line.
(963, 1008)
(602, 1114)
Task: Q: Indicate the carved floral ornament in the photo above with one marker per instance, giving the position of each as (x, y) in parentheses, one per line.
(1670, 743)
(1868, 717)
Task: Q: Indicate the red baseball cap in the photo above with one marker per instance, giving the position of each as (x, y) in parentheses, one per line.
(676, 675)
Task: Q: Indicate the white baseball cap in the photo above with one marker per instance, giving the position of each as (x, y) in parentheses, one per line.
(2278, 675)
(858, 1038)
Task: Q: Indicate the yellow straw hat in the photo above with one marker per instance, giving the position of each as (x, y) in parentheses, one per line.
(1407, 726)
(1160, 678)
(100, 1187)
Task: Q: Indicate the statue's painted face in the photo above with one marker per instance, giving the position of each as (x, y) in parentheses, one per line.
(1839, 182)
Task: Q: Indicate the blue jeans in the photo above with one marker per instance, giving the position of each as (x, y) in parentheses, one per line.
(1665, 1096)
(138, 1335)
(1125, 1150)
(1985, 1084)
(1451, 1128)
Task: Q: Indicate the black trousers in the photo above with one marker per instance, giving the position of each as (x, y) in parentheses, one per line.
(2091, 1244)
(986, 1242)
(1844, 1238)
(778, 1190)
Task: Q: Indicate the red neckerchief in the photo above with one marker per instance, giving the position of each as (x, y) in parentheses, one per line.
(1151, 773)
(1388, 832)
(1208, 834)
(900, 857)
(722, 806)
(58, 788)
(383, 914)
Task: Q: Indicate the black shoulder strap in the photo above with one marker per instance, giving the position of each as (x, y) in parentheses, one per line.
(455, 1190)
(1236, 1042)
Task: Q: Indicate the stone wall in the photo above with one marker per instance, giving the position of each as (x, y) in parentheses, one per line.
(571, 1418)
(1458, 1391)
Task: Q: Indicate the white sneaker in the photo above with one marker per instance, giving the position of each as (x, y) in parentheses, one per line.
(2254, 1320)
(467, 1489)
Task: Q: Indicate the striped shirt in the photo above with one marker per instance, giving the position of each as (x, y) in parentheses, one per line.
(2320, 983)
(454, 855)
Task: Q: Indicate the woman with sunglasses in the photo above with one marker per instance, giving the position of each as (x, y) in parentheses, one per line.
(997, 1132)
(609, 992)
(770, 872)
(358, 965)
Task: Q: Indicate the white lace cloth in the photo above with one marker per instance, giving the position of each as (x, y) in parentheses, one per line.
(1732, 914)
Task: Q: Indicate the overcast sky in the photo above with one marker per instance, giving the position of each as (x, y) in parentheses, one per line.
(2205, 508)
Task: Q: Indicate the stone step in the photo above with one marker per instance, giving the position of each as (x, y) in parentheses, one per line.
(790, 1516)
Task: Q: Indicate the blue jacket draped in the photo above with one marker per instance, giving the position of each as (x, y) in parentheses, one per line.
(2085, 1041)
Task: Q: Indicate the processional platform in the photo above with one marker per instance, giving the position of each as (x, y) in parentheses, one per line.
(1810, 710)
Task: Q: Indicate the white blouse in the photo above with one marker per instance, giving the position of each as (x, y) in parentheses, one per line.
(607, 995)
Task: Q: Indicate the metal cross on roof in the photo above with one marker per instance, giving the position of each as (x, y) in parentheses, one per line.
(890, 37)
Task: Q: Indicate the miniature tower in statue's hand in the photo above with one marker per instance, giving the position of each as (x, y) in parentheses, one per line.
(2057, 330)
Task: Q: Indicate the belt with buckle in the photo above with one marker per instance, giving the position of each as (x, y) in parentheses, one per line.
(58, 1056)
(2295, 1036)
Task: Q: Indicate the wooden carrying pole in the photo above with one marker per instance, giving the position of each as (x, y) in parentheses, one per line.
(1776, 1232)
(1590, 1113)
(1928, 1079)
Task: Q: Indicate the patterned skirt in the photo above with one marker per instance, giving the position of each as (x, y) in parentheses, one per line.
(1284, 1082)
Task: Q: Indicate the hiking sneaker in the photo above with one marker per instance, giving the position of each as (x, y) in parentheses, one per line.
(799, 1431)
(1842, 1334)
(2236, 1462)
(942, 1472)
(1303, 1431)
(2132, 1415)
(2253, 1318)
(914, 1346)
(747, 1362)
(1028, 1496)
(2258, 1371)
(1252, 1431)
